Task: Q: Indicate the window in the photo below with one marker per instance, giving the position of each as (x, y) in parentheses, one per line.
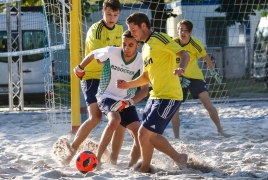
(3, 45)
(31, 39)
(261, 38)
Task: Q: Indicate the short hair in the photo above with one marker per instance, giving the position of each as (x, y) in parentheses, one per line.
(189, 25)
(127, 34)
(115, 5)
(138, 18)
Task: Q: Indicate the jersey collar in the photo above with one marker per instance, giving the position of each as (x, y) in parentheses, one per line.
(123, 58)
(106, 25)
(186, 43)
(149, 37)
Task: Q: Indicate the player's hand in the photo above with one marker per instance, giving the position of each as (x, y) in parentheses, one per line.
(179, 71)
(215, 75)
(184, 82)
(121, 104)
(79, 72)
(121, 84)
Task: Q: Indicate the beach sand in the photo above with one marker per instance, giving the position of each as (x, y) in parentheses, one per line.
(26, 146)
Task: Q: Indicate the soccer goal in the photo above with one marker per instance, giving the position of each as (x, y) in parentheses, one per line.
(234, 33)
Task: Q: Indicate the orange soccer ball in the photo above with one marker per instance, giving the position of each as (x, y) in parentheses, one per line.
(86, 161)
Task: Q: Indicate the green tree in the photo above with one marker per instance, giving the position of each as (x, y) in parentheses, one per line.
(31, 3)
(240, 10)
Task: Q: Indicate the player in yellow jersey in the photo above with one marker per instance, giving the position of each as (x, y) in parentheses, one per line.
(106, 32)
(193, 79)
(158, 52)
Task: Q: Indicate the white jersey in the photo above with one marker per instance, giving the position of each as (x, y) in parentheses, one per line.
(115, 68)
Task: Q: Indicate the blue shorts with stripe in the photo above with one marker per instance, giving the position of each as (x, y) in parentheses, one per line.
(158, 113)
(195, 87)
(89, 88)
(128, 115)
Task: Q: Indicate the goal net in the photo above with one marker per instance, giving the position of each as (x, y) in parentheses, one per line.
(235, 35)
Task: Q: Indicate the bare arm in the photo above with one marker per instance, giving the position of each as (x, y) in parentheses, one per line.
(209, 62)
(185, 58)
(87, 60)
(140, 81)
(141, 94)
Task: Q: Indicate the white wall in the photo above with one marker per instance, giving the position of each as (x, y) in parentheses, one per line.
(197, 14)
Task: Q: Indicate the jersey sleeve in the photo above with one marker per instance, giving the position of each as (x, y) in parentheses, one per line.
(203, 50)
(102, 53)
(92, 42)
(173, 47)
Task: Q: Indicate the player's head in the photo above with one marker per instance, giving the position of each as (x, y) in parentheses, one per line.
(139, 24)
(129, 44)
(184, 28)
(111, 11)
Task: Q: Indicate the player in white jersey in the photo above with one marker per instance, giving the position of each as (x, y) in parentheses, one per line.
(114, 69)
(118, 104)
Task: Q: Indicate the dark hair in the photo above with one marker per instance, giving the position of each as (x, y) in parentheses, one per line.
(115, 5)
(127, 34)
(189, 25)
(138, 18)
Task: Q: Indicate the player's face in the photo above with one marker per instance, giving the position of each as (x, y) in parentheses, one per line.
(130, 46)
(110, 17)
(136, 31)
(183, 32)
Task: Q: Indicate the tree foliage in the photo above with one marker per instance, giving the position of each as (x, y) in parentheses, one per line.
(31, 3)
(240, 10)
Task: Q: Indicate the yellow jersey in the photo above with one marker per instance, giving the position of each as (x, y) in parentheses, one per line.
(196, 50)
(100, 36)
(159, 54)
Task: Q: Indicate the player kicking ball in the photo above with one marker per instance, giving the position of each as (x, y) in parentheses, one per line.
(159, 52)
(118, 104)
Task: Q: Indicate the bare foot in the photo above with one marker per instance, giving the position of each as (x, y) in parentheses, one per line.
(182, 163)
(151, 169)
(222, 133)
(98, 167)
(63, 151)
(132, 162)
(113, 162)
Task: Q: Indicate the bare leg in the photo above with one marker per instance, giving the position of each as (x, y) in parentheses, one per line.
(147, 148)
(135, 153)
(175, 121)
(94, 119)
(114, 120)
(204, 97)
(162, 144)
(82, 133)
(117, 141)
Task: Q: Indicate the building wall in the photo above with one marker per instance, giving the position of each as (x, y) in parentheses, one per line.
(198, 12)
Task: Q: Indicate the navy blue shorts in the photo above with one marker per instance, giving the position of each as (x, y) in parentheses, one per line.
(196, 87)
(128, 115)
(89, 88)
(158, 113)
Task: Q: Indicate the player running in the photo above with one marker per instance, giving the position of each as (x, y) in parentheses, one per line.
(118, 104)
(106, 32)
(159, 53)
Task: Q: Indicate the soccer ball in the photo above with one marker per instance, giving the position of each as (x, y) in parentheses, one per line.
(86, 161)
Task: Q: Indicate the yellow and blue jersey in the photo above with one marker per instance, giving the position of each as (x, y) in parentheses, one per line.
(159, 54)
(100, 36)
(196, 50)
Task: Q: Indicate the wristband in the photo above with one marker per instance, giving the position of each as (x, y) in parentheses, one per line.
(131, 101)
(80, 67)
